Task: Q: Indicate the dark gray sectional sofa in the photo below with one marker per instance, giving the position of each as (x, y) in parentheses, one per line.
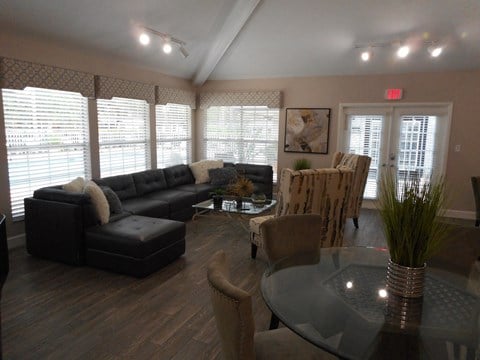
(146, 235)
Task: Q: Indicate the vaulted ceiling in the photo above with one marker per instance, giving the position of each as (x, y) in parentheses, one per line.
(240, 39)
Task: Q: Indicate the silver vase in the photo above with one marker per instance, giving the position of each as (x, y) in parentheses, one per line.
(405, 281)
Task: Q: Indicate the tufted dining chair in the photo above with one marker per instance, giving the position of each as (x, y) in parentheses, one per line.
(360, 164)
(312, 191)
(232, 308)
(476, 196)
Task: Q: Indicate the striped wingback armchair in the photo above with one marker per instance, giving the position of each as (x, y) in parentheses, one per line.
(360, 164)
(312, 191)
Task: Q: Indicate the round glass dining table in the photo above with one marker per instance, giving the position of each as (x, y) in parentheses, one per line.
(338, 301)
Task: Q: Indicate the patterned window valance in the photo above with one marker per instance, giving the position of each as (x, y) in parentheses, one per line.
(272, 99)
(18, 74)
(107, 88)
(175, 96)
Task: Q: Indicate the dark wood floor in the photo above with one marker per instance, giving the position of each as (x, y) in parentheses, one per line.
(55, 311)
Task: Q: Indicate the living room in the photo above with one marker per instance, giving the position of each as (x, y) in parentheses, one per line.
(267, 46)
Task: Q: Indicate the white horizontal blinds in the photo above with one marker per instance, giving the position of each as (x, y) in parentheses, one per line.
(417, 153)
(123, 136)
(174, 134)
(47, 140)
(244, 134)
(365, 132)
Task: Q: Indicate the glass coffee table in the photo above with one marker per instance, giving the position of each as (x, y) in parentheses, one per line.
(229, 208)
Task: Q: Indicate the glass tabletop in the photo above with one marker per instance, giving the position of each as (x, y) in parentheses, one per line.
(337, 300)
(230, 206)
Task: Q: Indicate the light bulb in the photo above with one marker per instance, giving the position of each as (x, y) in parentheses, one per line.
(403, 51)
(365, 56)
(144, 39)
(167, 48)
(435, 51)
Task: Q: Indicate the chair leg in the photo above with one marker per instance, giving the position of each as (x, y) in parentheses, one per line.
(274, 321)
(254, 251)
(355, 222)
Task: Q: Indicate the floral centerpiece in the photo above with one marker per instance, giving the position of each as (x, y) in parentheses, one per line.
(241, 188)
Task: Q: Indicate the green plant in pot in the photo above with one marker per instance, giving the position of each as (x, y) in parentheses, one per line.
(410, 212)
(217, 197)
(302, 164)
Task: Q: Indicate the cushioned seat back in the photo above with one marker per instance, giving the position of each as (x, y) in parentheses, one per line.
(149, 181)
(123, 185)
(178, 175)
(317, 191)
(360, 164)
(232, 308)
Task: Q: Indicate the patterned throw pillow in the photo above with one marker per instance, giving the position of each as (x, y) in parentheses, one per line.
(222, 176)
(113, 200)
(200, 169)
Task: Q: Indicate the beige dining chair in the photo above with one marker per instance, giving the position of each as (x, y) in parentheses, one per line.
(313, 191)
(232, 308)
(360, 164)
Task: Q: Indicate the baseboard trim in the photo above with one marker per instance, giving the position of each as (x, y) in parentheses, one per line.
(16, 241)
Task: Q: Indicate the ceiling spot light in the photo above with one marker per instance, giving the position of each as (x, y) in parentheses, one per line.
(144, 39)
(167, 48)
(403, 51)
(435, 51)
(366, 55)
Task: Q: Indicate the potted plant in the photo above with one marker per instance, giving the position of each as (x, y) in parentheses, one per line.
(410, 211)
(217, 197)
(241, 188)
(301, 164)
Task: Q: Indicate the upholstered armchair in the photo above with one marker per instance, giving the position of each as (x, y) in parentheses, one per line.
(313, 191)
(232, 308)
(476, 195)
(360, 164)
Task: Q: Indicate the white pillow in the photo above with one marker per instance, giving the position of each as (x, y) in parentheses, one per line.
(75, 185)
(99, 201)
(200, 169)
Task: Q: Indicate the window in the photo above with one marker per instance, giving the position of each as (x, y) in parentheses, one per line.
(47, 140)
(174, 134)
(123, 136)
(245, 134)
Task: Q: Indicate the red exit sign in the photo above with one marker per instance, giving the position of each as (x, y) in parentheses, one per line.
(393, 94)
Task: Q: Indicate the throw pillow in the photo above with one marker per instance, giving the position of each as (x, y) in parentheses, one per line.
(75, 185)
(222, 176)
(200, 169)
(113, 200)
(99, 201)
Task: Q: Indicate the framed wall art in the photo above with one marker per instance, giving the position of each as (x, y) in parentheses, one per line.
(306, 130)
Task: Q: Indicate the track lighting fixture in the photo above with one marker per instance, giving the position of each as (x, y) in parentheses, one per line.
(435, 50)
(403, 51)
(168, 41)
(366, 55)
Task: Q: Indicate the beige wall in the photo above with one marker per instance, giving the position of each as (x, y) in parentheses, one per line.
(460, 88)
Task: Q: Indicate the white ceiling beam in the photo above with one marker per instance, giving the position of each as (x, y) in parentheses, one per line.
(234, 22)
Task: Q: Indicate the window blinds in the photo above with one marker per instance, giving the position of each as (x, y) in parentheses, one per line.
(123, 135)
(244, 134)
(47, 140)
(174, 134)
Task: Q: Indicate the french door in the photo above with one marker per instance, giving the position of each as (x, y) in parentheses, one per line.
(409, 140)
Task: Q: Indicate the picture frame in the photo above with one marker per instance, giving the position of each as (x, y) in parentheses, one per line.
(307, 130)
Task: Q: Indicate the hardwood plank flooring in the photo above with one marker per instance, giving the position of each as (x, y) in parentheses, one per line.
(55, 311)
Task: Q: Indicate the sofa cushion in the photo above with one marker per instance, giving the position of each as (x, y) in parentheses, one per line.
(149, 181)
(178, 175)
(222, 176)
(113, 200)
(56, 193)
(99, 201)
(200, 169)
(147, 207)
(202, 191)
(177, 200)
(256, 173)
(123, 185)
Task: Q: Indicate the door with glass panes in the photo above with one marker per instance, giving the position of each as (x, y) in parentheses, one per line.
(411, 141)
